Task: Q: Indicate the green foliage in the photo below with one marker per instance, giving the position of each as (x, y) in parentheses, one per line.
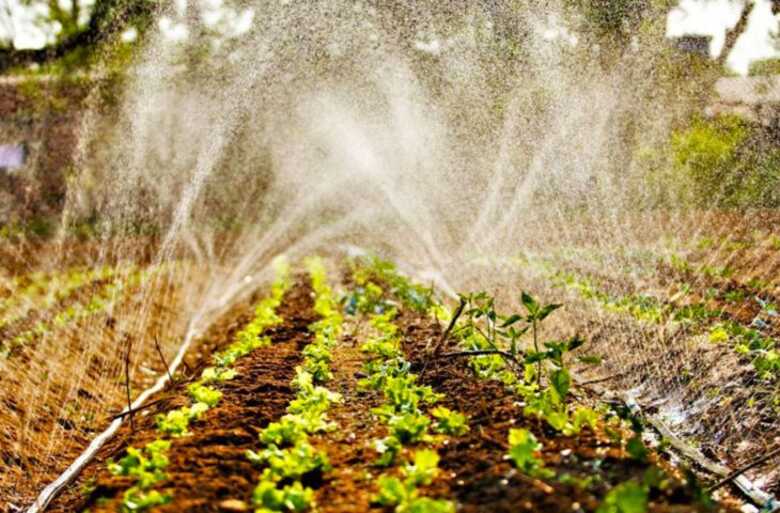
(217, 375)
(450, 422)
(523, 451)
(290, 463)
(388, 448)
(764, 67)
(287, 431)
(294, 497)
(137, 499)
(176, 422)
(201, 393)
(413, 296)
(288, 456)
(147, 467)
(409, 428)
(628, 497)
(403, 495)
(723, 166)
(636, 448)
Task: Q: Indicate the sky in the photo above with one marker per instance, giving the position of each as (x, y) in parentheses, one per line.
(703, 17)
(713, 17)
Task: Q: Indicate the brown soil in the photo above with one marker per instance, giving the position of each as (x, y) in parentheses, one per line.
(209, 467)
(347, 487)
(208, 470)
(475, 470)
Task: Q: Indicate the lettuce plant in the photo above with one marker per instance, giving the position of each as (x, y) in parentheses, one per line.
(523, 451)
(176, 422)
(450, 422)
(403, 495)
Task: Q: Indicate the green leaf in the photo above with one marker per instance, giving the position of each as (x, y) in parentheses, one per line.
(512, 319)
(636, 448)
(391, 491)
(530, 304)
(561, 381)
(425, 468)
(428, 505)
(628, 497)
(590, 359)
(547, 310)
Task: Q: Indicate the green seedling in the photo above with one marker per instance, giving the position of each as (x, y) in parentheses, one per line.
(201, 393)
(176, 422)
(291, 463)
(628, 497)
(403, 495)
(450, 422)
(409, 428)
(268, 498)
(524, 450)
(147, 467)
(217, 375)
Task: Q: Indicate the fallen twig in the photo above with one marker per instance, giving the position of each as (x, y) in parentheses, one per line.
(744, 469)
(137, 409)
(603, 380)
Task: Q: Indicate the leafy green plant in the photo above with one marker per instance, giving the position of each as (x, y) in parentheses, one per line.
(523, 451)
(217, 375)
(290, 463)
(403, 495)
(628, 497)
(147, 467)
(288, 456)
(294, 497)
(409, 428)
(176, 422)
(287, 431)
(450, 422)
(201, 393)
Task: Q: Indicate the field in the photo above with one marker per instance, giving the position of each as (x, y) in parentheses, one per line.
(344, 385)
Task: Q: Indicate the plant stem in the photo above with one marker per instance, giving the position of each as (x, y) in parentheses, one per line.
(536, 348)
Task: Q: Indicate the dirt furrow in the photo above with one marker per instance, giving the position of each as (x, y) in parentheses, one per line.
(347, 487)
(476, 472)
(208, 470)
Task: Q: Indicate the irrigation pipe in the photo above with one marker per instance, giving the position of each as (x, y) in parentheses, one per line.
(767, 502)
(97, 443)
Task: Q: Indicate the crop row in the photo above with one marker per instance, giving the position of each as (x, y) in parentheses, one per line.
(287, 456)
(402, 410)
(102, 300)
(752, 342)
(537, 373)
(146, 466)
(42, 291)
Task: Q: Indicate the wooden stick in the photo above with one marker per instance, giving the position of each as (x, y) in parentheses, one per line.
(128, 348)
(139, 408)
(455, 316)
(602, 380)
(744, 469)
(162, 359)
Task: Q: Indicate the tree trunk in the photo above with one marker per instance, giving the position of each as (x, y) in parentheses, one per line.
(733, 34)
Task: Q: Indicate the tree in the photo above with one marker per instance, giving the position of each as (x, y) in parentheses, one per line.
(105, 19)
